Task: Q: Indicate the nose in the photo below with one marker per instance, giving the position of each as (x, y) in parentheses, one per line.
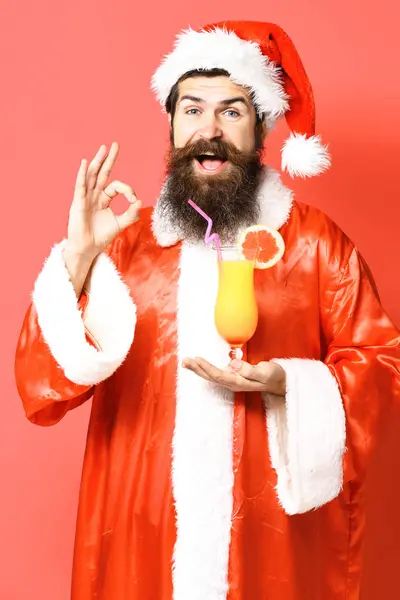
(210, 129)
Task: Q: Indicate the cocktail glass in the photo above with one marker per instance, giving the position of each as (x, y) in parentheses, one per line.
(236, 311)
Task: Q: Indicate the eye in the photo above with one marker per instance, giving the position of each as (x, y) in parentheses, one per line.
(192, 111)
(232, 113)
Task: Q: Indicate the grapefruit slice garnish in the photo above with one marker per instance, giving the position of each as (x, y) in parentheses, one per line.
(268, 242)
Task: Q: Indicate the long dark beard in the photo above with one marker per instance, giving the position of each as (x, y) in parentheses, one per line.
(229, 198)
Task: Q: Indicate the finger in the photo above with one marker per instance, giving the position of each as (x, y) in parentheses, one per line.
(191, 365)
(107, 166)
(113, 189)
(226, 378)
(210, 369)
(95, 166)
(260, 372)
(80, 184)
(130, 216)
(267, 374)
(230, 378)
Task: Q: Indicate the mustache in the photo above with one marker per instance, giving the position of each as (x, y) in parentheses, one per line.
(222, 150)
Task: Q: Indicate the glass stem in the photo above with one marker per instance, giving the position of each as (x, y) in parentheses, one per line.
(236, 354)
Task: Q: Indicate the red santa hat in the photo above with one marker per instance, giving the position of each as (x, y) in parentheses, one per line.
(262, 57)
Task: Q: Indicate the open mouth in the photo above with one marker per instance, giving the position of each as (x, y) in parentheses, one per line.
(210, 163)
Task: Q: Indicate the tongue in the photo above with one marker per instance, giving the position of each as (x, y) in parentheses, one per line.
(211, 165)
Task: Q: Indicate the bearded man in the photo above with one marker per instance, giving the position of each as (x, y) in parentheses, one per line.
(202, 482)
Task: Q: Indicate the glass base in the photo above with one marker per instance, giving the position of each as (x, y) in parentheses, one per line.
(236, 354)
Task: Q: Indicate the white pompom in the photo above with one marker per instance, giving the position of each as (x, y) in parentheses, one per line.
(305, 157)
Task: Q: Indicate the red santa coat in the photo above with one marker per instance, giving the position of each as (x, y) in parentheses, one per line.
(190, 492)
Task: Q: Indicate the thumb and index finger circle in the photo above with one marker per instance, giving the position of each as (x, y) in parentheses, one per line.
(113, 189)
(132, 213)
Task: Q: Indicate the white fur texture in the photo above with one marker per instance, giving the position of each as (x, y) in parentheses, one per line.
(223, 49)
(202, 443)
(275, 201)
(305, 157)
(110, 319)
(307, 436)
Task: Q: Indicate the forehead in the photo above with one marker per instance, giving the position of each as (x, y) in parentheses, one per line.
(212, 89)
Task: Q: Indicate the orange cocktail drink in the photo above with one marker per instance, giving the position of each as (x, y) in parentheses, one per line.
(236, 311)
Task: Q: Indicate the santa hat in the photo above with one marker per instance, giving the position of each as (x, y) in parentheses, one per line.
(262, 57)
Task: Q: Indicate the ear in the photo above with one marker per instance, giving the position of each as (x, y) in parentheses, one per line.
(169, 118)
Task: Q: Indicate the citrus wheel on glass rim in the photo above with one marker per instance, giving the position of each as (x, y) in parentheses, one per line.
(268, 242)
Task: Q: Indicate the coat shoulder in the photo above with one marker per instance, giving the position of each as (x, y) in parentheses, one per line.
(312, 225)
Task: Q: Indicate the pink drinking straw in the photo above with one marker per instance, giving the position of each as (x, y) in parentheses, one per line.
(208, 238)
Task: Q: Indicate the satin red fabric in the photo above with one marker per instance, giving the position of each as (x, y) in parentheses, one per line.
(319, 302)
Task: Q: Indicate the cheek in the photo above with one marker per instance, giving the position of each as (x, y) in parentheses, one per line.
(243, 137)
(183, 133)
(244, 142)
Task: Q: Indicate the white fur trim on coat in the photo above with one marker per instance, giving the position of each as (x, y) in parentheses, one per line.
(275, 200)
(305, 157)
(307, 435)
(202, 472)
(109, 318)
(223, 49)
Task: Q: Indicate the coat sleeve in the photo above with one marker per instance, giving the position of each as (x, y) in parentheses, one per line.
(322, 436)
(66, 347)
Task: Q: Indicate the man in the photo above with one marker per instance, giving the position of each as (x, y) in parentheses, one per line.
(202, 481)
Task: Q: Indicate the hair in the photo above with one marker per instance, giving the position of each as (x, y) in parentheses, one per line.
(172, 100)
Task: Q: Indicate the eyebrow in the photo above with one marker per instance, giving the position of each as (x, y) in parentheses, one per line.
(226, 102)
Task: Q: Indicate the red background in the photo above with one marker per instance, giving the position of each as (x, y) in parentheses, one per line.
(75, 75)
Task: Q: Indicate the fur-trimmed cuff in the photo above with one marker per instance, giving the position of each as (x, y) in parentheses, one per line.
(307, 435)
(109, 319)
